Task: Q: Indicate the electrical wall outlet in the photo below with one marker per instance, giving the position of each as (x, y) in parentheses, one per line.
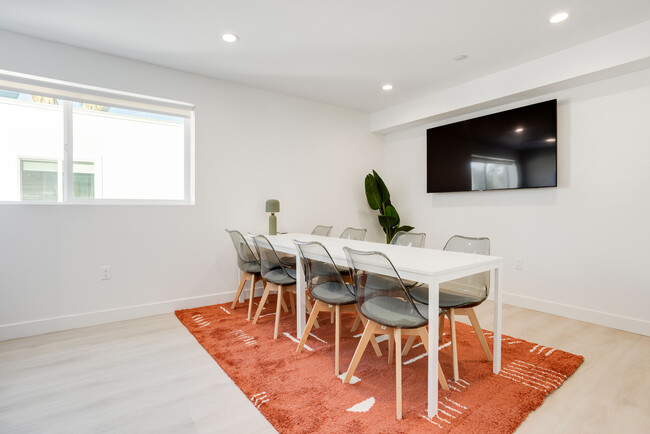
(105, 272)
(519, 263)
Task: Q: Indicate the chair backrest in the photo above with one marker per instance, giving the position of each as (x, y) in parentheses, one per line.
(269, 259)
(322, 230)
(382, 296)
(354, 234)
(409, 239)
(245, 256)
(319, 267)
(477, 285)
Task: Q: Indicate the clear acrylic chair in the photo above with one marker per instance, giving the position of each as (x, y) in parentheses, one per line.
(354, 234)
(332, 294)
(324, 231)
(409, 239)
(278, 277)
(389, 310)
(460, 296)
(248, 264)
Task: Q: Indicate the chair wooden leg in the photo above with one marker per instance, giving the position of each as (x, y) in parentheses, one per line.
(373, 340)
(278, 312)
(337, 338)
(251, 297)
(408, 345)
(367, 333)
(391, 344)
(283, 303)
(242, 282)
(264, 284)
(265, 296)
(441, 327)
(375, 346)
(292, 300)
(308, 306)
(397, 338)
(310, 323)
(424, 336)
(454, 349)
(479, 332)
(357, 321)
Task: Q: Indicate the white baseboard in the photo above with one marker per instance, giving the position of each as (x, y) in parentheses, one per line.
(620, 322)
(48, 325)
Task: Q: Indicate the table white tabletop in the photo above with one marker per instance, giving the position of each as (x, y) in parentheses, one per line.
(423, 265)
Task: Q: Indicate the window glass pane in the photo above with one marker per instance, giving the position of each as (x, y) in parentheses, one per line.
(39, 180)
(134, 155)
(84, 180)
(31, 145)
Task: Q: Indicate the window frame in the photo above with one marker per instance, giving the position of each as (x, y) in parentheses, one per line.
(24, 83)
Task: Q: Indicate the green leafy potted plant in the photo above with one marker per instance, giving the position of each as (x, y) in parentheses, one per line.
(379, 199)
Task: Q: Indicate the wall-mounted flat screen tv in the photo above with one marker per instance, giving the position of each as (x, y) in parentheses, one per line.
(507, 150)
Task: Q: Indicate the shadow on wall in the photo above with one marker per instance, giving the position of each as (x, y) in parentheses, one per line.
(368, 220)
(492, 198)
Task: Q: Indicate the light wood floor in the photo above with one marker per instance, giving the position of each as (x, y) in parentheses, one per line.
(150, 375)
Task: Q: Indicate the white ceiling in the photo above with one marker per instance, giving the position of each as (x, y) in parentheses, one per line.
(335, 51)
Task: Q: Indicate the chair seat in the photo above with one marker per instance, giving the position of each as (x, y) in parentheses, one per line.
(250, 267)
(333, 293)
(447, 300)
(279, 277)
(394, 312)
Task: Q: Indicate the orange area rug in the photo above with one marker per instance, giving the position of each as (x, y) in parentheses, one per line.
(298, 392)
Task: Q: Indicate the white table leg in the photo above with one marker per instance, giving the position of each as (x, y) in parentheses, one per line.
(300, 298)
(496, 357)
(432, 359)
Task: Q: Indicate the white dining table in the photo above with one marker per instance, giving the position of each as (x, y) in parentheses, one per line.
(429, 266)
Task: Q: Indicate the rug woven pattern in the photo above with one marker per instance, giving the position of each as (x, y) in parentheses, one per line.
(298, 392)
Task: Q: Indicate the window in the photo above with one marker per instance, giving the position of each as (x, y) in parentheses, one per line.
(39, 180)
(70, 143)
(490, 173)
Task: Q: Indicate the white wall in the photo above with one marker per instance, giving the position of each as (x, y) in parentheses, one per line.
(585, 244)
(251, 145)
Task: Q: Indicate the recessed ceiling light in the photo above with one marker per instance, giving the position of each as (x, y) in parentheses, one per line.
(230, 37)
(519, 130)
(387, 87)
(552, 139)
(558, 18)
(461, 57)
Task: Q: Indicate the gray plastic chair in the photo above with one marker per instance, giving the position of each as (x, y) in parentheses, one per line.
(278, 277)
(409, 239)
(324, 231)
(248, 264)
(354, 234)
(389, 309)
(326, 285)
(460, 296)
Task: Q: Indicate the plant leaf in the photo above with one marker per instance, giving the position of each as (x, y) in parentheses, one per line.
(372, 192)
(387, 221)
(391, 211)
(385, 194)
(404, 228)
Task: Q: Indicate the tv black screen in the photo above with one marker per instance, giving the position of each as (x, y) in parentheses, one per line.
(507, 150)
